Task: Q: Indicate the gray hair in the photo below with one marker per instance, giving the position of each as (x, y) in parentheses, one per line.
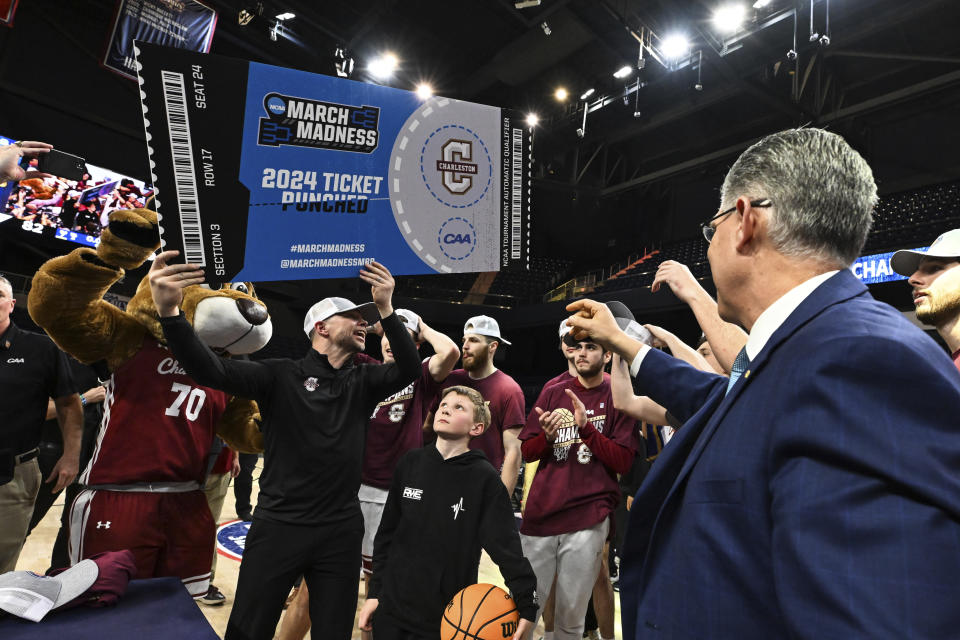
(822, 193)
(5, 284)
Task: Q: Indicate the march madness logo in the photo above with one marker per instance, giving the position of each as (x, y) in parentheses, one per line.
(318, 125)
(455, 166)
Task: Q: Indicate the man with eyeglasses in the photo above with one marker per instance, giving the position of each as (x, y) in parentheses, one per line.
(780, 508)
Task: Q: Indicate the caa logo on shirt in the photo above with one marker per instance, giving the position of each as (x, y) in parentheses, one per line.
(413, 494)
(16, 361)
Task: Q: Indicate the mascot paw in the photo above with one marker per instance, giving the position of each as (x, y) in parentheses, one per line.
(132, 236)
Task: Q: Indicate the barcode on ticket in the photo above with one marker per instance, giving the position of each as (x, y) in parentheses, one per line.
(516, 193)
(185, 179)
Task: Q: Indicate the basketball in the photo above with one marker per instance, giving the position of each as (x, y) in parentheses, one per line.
(480, 612)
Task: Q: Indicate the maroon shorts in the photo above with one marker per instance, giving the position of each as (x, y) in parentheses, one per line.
(170, 534)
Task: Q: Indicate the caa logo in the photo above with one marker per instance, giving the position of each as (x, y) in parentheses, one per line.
(457, 238)
(15, 361)
(277, 106)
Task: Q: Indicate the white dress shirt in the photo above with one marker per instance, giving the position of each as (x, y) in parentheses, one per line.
(767, 322)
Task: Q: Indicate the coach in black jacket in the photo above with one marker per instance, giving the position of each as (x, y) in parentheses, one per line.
(315, 413)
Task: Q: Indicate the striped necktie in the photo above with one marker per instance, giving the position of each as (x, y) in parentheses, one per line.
(741, 364)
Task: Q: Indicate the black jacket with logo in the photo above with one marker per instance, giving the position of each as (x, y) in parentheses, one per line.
(314, 418)
(438, 516)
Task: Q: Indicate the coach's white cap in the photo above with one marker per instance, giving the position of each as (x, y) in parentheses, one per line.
(332, 306)
(628, 323)
(484, 326)
(27, 595)
(410, 320)
(906, 261)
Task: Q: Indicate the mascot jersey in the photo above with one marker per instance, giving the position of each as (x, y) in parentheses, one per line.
(158, 424)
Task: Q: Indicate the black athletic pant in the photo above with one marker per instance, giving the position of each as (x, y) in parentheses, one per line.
(385, 629)
(275, 553)
(243, 483)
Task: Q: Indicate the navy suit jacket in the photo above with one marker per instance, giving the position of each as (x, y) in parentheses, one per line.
(819, 499)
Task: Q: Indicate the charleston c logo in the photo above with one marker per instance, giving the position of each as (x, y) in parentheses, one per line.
(456, 166)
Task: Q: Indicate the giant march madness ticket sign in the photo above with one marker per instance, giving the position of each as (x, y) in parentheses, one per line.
(267, 173)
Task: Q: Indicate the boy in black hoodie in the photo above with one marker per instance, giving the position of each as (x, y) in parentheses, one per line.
(445, 504)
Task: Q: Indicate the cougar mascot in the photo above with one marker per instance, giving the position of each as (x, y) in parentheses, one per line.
(143, 482)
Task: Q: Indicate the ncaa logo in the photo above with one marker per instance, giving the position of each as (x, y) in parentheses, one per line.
(276, 106)
(457, 238)
(455, 166)
(232, 538)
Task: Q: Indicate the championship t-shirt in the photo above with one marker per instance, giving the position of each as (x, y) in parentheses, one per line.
(572, 489)
(505, 400)
(396, 426)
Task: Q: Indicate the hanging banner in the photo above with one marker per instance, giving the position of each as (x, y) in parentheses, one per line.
(266, 173)
(7, 9)
(184, 24)
(876, 268)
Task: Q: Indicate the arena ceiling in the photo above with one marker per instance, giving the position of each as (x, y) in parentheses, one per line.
(645, 171)
(880, 55)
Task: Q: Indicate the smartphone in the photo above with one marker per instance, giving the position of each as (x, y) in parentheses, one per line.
(62, 165)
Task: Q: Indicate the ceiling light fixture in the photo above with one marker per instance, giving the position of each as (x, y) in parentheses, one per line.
(384, 66)
(729, 18)
(674, 46)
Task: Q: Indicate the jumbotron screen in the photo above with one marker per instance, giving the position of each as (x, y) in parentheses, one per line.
(75, 211)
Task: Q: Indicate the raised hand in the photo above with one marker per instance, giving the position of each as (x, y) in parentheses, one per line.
(381, 286)
(593, 320)
(579, 411)
(660, 335)
(678, 277)
(167, 282)
(10, 159)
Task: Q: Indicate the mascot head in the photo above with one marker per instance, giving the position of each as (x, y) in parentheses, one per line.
(229, 318)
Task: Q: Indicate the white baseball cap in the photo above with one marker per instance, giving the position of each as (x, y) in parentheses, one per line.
(628, 323)
(564, 328)
(332, 306)
(906, 261)
(484, 326)
(30, 596)
(410, 320)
